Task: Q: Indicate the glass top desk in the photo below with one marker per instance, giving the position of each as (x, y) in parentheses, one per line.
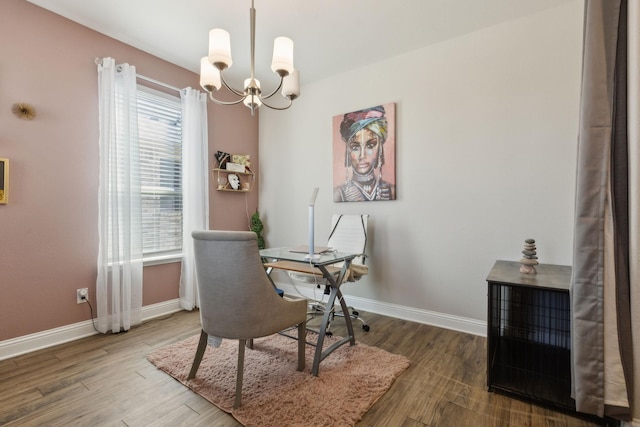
(284, 259)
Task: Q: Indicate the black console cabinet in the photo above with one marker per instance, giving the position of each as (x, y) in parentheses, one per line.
(528, 336)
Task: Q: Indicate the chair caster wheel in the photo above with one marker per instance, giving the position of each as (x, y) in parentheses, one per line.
(366, 328)
(355, 313)
(329, 334)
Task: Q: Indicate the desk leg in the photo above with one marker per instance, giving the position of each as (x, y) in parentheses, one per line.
(319, 354)
(322, 332)
(347, 317)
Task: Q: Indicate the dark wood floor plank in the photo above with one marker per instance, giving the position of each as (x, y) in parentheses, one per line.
(105, 380)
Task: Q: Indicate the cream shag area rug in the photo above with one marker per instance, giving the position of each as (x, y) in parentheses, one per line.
(350, 381)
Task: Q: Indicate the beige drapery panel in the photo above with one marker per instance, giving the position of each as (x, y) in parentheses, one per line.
(634, 194)
(606, 367)
(602, 348)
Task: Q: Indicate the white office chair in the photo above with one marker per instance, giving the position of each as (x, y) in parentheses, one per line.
(348, 234)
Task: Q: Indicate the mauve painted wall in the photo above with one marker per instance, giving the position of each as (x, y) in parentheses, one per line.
(48, 231)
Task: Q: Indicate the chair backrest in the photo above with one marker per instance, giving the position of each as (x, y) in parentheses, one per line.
(349, 234)
(236, 295)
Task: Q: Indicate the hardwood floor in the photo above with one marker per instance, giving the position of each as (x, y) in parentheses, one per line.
(105, 380)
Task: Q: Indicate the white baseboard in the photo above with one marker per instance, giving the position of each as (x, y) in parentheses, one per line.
(442, 320)
(39, 340)
(28, 343)
(160, 309)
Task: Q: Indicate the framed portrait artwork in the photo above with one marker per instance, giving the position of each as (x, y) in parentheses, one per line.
(364, 148)
(4, 181)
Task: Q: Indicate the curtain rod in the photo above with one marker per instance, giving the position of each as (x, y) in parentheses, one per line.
(148, 79)
(156, 82)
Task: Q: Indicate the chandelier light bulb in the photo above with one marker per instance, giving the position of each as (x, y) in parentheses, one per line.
(247, 84)
(252, 101)
(282, 62)
(291, 85)
(220, 48)
(209, 75)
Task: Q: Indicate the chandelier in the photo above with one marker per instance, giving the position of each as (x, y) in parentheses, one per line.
(212, 70)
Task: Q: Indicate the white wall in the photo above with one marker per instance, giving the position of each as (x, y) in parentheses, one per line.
(486, 151)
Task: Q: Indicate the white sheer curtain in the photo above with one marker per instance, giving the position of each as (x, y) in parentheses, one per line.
(195, 188)
(119, 282)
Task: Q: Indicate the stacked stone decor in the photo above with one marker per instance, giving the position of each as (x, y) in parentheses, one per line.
(529, 257)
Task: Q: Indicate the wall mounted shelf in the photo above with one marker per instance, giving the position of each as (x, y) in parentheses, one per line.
(221, 180)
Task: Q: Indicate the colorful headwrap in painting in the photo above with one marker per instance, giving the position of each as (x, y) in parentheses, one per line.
(370, 118)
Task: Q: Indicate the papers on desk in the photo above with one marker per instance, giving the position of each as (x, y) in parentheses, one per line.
(304, 249)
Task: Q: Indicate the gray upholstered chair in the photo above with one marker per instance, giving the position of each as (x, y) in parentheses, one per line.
(237, 299)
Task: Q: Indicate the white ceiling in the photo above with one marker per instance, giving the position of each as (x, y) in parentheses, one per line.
(330, 36)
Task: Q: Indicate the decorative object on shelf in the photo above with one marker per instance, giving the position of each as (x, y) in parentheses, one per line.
(222, 181)
(23, 111)
(529, 257)
(241, 159)
(212, 70)
(222, 158)
(226, 179)
(234, 181)
(235, 167)
(4, 181)
(257, 227)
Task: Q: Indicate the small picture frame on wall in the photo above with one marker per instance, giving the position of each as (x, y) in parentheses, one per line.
(4, 181)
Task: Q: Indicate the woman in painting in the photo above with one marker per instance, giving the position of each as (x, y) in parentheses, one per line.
(364, 133)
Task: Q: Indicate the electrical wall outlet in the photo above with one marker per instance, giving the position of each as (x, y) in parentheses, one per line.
(82, 295)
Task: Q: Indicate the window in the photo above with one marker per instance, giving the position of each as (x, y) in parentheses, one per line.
(160, 133)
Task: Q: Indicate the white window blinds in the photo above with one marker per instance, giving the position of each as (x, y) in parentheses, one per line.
(160, 133)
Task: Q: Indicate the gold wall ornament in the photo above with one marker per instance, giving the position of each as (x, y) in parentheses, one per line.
(4, 181)
(23, 111)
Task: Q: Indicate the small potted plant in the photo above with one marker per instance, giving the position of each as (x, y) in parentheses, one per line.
(257, 227)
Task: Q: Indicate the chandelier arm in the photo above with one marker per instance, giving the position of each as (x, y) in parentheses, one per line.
(273, 107)
(274, 91)
(232, 90)
(217, 101)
